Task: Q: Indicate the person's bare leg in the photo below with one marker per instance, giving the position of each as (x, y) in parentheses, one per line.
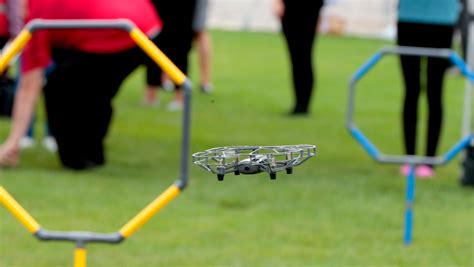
(179, 96)
(204, 57)
(166, 82)
(178, 102)
(151, 95)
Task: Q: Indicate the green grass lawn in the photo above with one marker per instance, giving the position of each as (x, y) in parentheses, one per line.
(338, 209)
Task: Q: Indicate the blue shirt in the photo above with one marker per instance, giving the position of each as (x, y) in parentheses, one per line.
(442, 12)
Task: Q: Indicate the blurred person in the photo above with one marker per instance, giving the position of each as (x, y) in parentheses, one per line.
(90, 66)
(299, 20)
(467, 176)
(16, 11)
(424, 23)
(28, 140)
(330, 23)
(461, 32)
(10, 20)
(204, 51)
(10, 26)
(204, 45)
(175, 40)
(463, 27)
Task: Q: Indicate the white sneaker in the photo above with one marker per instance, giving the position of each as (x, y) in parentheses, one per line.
(175, 106)
(207, 88)
(27, 142)
(168, 86)
(50, 144)
(153, 103)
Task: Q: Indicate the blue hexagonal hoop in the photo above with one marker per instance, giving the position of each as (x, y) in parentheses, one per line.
(368, 146)
(375, 153)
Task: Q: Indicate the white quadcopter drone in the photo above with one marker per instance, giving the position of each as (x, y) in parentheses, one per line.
(253, 159)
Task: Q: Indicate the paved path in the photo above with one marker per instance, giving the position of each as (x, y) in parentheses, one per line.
(242, 15)
(360, 17)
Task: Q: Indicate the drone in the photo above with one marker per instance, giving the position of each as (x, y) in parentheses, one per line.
(253, 159)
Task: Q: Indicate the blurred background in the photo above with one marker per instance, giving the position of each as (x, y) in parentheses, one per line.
(344, 17)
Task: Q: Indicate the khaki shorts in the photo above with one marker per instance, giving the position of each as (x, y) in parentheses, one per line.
(200, 15)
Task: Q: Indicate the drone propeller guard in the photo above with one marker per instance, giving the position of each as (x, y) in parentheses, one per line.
(253, 159)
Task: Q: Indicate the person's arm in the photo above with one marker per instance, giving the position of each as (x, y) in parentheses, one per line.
(23, 108)
(279, 8)
(15, 17)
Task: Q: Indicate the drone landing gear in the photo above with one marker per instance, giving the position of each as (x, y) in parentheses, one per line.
(289, 170)
(273, 175)
(220, 177)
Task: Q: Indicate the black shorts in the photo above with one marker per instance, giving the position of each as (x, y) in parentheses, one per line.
(78, 98)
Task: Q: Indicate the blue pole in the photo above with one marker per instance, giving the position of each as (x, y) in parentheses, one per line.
(462, 66)
(457, 148)
(367, 66)
(365, 143)
(410, 197)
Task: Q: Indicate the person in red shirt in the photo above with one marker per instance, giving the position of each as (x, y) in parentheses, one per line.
(90, 66)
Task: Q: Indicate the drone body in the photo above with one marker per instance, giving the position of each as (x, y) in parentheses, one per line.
(251, 166)
(253, 159)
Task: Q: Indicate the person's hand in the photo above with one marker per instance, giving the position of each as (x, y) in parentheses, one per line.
(9, 155)
(279, 8)
(26, 97)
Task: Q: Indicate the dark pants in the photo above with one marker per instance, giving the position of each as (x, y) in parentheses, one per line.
(299, 27)
(463, 27)
(176, 36)
(423, 35)
(78, 97)
(467, 177)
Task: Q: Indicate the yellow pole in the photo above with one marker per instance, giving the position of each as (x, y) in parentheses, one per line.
(159, 57)
(145, 215)
(80, 257)
(21, 214)
(13, 49)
